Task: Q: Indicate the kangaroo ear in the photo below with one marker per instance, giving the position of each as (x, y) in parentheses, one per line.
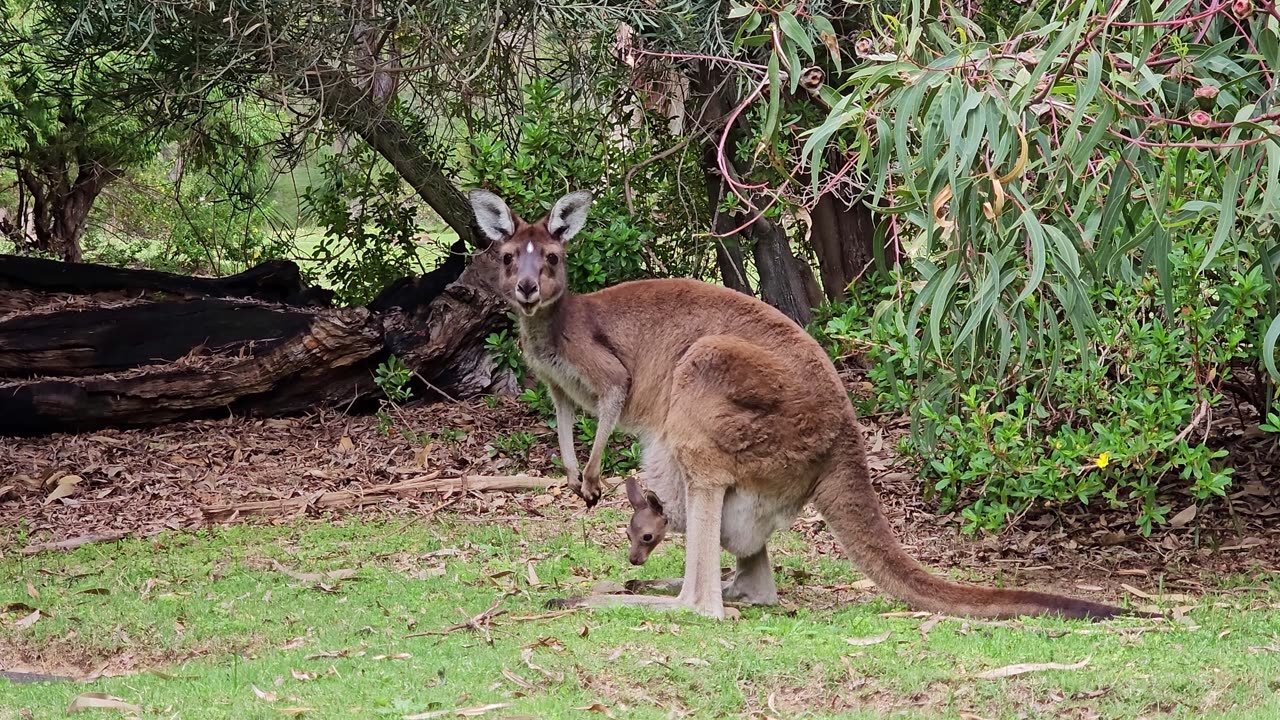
(654, 503)
(635, 494)
(493, 217)
(568, 215)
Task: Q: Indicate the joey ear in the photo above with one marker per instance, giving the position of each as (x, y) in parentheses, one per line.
(493, 217)
(635, 494)
(654, 503)
(568, 215)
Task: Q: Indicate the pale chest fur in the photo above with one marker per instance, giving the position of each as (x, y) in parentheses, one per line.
(554, 369)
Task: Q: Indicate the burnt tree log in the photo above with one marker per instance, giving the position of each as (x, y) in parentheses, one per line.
(126, 348)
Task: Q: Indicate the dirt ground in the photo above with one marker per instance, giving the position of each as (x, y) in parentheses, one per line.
(139, 482)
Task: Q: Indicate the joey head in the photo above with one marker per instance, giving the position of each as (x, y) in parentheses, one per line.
(648, 526)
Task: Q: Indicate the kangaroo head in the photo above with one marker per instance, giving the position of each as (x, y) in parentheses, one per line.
(648, 525)
(532, 275)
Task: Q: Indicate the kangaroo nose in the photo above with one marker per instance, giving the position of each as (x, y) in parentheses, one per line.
(527, 287)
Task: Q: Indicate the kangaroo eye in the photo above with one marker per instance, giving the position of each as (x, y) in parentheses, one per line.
(648, 537)
(553, 259)
(507, 258)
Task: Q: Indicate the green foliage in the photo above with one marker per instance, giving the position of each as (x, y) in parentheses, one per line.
(192, 227)
(504, 348)
(564, 142)
(515, 445)
(393, 378)
(371, 221)
(1115, 420)
(1088, 237)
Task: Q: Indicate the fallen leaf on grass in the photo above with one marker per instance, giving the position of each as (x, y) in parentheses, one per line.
(464, 712)
(267, 696)
(32, 592)
(516, 679)
(1023, 668)
(1135, 591)
(929, 624)
(101, 701)
(697, 661)
(527, 656)
(597, 707)
(872, 640)
(864, 584)
(533, 577)
(302, 676)
(970, 716)
(27, 621)
(393, 656)
(294, 711)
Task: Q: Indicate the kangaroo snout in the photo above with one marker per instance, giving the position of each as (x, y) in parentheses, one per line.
(527, 290)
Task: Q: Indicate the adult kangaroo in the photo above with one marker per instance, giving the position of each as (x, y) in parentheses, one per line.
(741, 414)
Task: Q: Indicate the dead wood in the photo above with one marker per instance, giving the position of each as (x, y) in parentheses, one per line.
(275, 281)
(143, 363)
(75, 542)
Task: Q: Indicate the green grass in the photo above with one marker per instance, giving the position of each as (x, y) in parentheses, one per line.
(215, 598)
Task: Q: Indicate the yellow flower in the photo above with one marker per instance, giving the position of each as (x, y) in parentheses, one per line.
(1103, 460)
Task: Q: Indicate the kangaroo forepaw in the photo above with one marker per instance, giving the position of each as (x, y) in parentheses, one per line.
(589, 488)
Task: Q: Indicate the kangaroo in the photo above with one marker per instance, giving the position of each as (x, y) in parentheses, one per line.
(740, 414)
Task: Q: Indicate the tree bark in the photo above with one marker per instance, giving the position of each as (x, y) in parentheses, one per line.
(844, 239)
(60, 207)
(180, 356)
(782, 274)
(729, 258)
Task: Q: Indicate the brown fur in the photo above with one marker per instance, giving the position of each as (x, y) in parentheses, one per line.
(743, 418)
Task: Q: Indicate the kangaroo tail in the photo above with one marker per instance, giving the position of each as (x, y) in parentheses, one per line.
(851, 506)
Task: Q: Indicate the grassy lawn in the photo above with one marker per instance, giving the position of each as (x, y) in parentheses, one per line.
(223, 624)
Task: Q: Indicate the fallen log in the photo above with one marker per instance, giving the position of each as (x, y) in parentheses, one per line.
(274, 281)
(142, 362)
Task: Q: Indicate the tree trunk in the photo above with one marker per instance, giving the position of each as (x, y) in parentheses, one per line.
(729, 259)
(844, 239)
(201, 347)
(782, 274)
(60, 207)
(785, 281)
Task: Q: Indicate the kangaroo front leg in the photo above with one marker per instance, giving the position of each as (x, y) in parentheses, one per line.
(609, 411)
(564, 433)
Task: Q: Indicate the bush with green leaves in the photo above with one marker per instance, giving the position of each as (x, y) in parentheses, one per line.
(1115, 419)
(192, 227)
